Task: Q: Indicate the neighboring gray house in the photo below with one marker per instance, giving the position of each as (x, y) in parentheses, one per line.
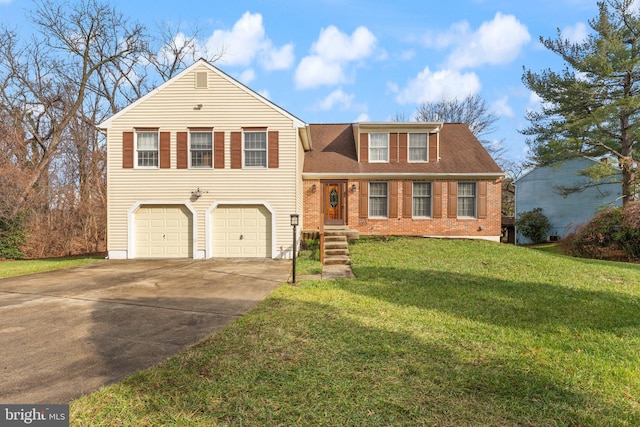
(542, 188)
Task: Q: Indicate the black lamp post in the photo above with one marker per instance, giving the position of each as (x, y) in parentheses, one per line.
(294, 222)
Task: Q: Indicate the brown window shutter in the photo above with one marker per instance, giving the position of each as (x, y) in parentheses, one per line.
(402, 156)
(433, 147)
(165, 150)
(182, 152)
(273, 142)
(218, 146)
(407, 199)
(482, 199)
(364, 199)
(393, 199)
(364, 148)
(452, 203)
(236, 150)
(437, 199)
(393, 148)
(127, 150)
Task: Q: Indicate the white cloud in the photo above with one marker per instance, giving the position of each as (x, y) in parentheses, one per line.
(337, 97)
(331, 54)
(336, 46)
(247, 76)
(576, 33)
(430, 86)
(498, 41)
(363, 117)
(458, 33)
(278, 59)
(502, 108)
(313, 71)
(5, 1)
(265, 93)
(535, 101)
(247, 41)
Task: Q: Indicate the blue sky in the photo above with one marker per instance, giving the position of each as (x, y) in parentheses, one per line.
(339, 61)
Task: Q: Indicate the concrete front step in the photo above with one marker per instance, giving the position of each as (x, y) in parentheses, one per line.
(341, 231)
(335, 246)
(340, 251)
(337, 260)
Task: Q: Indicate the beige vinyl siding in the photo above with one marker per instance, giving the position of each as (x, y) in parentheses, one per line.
(227, 108)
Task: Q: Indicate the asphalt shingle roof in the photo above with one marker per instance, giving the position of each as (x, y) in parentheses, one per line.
(334, 151)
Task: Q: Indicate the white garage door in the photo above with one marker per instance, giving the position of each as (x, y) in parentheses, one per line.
(241, 231)
(164, 232)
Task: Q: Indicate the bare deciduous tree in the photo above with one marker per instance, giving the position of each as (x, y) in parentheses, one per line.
(472, 110)
(43, 82)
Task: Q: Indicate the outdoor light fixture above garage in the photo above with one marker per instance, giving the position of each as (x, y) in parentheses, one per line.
(198, 193)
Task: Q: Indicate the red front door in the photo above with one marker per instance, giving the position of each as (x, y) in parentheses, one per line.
(334, 203)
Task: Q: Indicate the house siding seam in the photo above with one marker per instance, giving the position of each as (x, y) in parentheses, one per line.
(404, 225)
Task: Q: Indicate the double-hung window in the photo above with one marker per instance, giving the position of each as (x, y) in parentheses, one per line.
(201, 149)
(418, 147)
(467, 199)
(255, 149)
(378, 200)
(421, 199)
(378, 147)
(147, 149)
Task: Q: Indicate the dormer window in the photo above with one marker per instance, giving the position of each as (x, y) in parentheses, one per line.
(418, 147)
(378, 147)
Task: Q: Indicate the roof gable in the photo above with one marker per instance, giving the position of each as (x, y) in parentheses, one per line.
(201, 62)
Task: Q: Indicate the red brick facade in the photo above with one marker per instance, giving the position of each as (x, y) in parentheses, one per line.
(446, 225)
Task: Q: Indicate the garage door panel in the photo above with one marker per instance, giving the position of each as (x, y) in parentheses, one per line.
(241, 231)
(164, 232)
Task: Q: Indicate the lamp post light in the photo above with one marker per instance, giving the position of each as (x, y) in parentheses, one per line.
(294, 222)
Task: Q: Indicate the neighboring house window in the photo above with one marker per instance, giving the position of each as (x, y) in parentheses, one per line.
(255, 149)
(201, 149)
(378, 200)
(418, 147)
(467, 199)
(378, 147)
(422, 199)
(147, 149)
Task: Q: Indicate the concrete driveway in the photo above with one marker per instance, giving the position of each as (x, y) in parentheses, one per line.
(68, 332)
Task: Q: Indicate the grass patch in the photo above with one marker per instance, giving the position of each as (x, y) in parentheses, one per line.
(550, 248)
(432, 332)
(308, 259)
(10, 268)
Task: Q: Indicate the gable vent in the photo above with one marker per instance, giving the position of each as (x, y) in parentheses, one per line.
(201, 80)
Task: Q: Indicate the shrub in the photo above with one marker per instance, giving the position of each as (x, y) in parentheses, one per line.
(612, 234)
(533, 225)
(11, 236)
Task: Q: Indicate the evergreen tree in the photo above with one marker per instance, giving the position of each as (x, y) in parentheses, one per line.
(592, 107)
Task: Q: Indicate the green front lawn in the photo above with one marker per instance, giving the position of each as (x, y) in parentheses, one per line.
(17, 268)
(432, 332)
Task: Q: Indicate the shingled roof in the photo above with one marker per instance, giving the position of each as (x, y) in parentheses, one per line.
(334, 152)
